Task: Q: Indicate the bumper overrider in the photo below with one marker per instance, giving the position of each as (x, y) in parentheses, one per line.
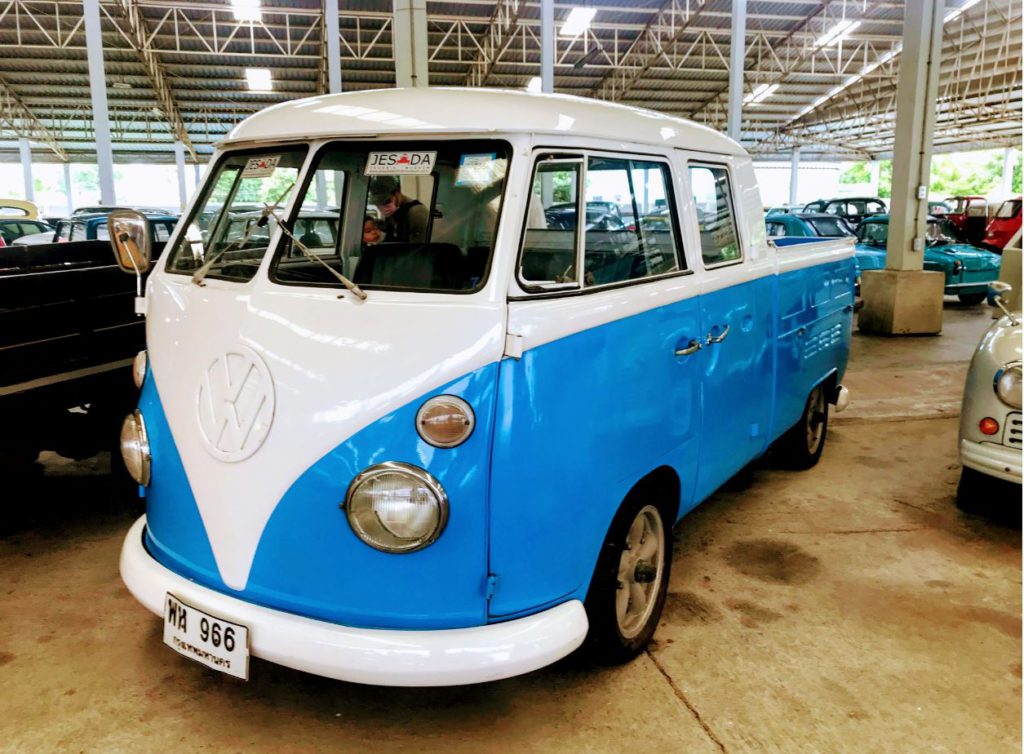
(448, 657)
(991, 459)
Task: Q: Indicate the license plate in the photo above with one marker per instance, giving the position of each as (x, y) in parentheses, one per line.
(215, 642)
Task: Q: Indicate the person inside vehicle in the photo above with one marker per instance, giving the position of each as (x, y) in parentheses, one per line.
(405, 219)
(371, 231)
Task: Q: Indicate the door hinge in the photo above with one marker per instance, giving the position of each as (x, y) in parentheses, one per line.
(492, 583)
(513, 346)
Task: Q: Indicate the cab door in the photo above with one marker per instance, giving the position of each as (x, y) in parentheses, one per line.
(736, 316)
(598, 391)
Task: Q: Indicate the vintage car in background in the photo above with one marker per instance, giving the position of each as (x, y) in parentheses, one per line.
(93, 227)
(990, 421)
(968, 217)
(968, 269)
(1003, 225)
(14, 229)
(854, 208)
(807, 225)
(938, 208)
(18, 208)
(783, 209)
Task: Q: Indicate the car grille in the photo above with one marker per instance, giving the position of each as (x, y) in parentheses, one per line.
(1012, 434)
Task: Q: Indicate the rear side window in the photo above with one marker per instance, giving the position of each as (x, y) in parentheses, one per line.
(712, 193)
(64, 233)
(775, 230)
(628, 229)
(77, 232)
(832, 228)
(1009, 209)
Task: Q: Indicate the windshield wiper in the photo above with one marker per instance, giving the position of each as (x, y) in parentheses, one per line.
(265, 213)
(355, 289)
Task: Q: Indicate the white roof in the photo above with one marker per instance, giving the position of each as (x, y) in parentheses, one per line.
(472, 110)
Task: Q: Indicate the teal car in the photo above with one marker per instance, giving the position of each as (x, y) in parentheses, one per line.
(967, 268)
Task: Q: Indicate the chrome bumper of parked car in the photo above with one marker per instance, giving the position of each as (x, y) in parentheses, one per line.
(991, 459)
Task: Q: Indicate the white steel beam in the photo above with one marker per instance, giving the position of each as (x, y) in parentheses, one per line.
(547, 46)
(26, 168)
(179, 162)
(100, 113)
(737, 53)
(332, 46)
(139, 37)
(409, 32)
(794, 175)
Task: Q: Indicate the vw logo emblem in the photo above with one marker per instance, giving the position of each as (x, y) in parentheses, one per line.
(235, 404)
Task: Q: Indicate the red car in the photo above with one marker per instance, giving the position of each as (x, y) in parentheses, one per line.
(1003, 225)
(968, 216)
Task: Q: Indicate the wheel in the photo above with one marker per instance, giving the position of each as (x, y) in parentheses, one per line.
(970, 492)
(628, 589)
(971, 298)
(801, 446)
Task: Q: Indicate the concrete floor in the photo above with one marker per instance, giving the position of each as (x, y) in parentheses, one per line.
(848, 608)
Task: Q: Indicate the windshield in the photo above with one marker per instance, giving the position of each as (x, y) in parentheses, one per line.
(937, 235)
(407, 216)
(874, 233)
(1009, 209)
(226, 230)
(830, 227)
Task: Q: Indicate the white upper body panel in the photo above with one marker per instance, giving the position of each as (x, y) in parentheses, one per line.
(439, 110)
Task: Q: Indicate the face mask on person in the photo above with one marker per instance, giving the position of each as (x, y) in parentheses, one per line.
(388, 208)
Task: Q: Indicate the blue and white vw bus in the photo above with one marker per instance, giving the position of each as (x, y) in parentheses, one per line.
(446, 441)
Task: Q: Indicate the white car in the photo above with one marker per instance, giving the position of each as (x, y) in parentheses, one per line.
(990, 421)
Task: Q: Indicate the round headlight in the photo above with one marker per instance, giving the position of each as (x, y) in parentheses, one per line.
(445, 421)
(396, 507)
(135, 447)
(139, 368)
(1008, 385)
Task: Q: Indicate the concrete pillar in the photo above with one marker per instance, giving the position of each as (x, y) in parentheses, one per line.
(794, 174)
(547, 46)
(179, 161)
(903, 299)
(26, 169)
(1009, 159)
(98, 92)
(737, 54)
(875, 171)
(197, 175)
(333, 46)
(409, 41)
(67, 188)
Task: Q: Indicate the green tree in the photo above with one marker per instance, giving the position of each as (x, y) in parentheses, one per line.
(856, 173)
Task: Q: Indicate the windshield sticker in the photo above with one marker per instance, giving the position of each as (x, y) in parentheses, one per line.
(400, 163)
(476, 170)
(261, 167)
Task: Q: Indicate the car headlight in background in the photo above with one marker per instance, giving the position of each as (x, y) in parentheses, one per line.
(1008, 385)
(139, 368)
(396, 507)
(135, 447)
(445, 421)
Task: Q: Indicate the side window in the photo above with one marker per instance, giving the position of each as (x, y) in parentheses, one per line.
(719, 242)
(64, 232)
(549, 240)
(776, 230)
(77, 232)
(161, 232)
(101, 232)
(615, 252)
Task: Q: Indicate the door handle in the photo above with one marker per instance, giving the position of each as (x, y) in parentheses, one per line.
(712, 339)
(690, 349)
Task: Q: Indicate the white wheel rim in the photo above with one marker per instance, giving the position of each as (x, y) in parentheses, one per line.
(641, 569)
(815, 420)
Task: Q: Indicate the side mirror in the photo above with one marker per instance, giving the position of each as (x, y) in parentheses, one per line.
(129, 236)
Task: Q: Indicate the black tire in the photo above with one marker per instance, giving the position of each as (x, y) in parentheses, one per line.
(971, 299)
(802, 445)
(971, 491)
(614, 638)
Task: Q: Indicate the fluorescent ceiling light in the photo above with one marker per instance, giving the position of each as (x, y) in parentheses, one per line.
(954, 14)
(534, 85)
(259, 79)
(577, 22)
(837, 33)
(246, 10)
(760, 94)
